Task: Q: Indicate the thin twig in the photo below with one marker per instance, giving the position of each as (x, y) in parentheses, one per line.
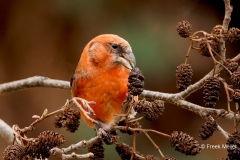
(136, 119)
(43, 117)
(141, 130)
(228, 103)
(227, 93)
(198, 32)
(134, 145)
(154, 144)
(188, 53)
(213, 58)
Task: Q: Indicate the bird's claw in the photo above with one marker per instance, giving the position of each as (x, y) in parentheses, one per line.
(83, 111)
(85, 104)
(102, 132)
(105, 135)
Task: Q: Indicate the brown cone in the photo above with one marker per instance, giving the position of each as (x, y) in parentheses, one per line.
(210, 92)
(98, 150)
(69, 119)
(14, 152)
(233, 144)
(233, 35)
(136, 82)
(235, 79)
(124, 151)
(214, 45)
(231, 66)
(184, 29)
(158, 106)
(185, 144)
(184, 74)
(207, 129)
(236, 95)
(150, 110)
(46, 141)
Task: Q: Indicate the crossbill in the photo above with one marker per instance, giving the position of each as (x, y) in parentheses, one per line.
(102, 76)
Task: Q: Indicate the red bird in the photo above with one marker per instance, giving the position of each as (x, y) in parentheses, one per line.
(102, 76)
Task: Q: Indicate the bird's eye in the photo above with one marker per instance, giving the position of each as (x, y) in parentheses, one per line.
(114, 46)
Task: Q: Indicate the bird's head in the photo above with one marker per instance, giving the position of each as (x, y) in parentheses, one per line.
(108, 50)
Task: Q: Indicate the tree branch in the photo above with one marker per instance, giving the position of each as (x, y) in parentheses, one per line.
(82, 144)
(6, 132)
(224, 133)
(78, 156)
(36, 81)
(227, 16)
(177, 98)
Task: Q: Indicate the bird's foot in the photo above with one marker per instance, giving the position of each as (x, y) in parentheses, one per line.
(127, 110)
(109, 137)
(85, 104)
(105, 135)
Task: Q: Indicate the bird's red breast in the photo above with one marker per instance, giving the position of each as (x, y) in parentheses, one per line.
(101, 76)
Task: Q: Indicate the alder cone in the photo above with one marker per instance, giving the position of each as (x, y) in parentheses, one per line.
(235, 78)
(136, 82)
(98, 150)
(207, 130)
(236, 95)
(234, 146)
(14, 152)
(124, 150)
(184, 29)
(231, 66)
(210, 92)
(184, 143)
(184, 74)
(69, 118)
(233, 35)
(150, 110)
(214, 45)
(46, 140)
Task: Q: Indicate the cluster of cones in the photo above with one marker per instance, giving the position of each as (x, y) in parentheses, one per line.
(37, 148)
(209, 47)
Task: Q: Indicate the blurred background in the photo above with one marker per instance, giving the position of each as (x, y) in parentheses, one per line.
(47, 37)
